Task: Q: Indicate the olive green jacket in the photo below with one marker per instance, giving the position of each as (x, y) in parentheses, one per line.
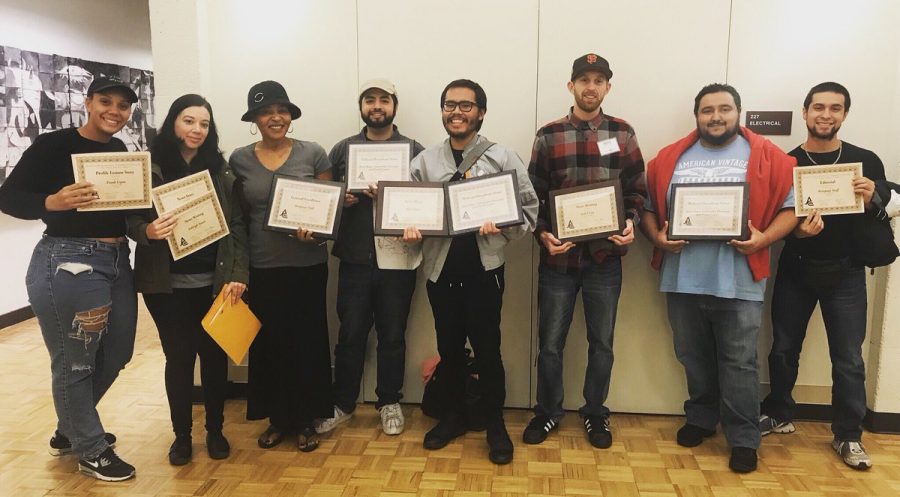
(151, 258)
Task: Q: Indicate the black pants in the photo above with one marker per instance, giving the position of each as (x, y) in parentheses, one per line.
(177, 316)
(469, 307)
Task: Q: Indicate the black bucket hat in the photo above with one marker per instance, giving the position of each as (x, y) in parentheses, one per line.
(268, 93)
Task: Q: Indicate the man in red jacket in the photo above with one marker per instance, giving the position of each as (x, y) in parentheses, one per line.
(714, 289)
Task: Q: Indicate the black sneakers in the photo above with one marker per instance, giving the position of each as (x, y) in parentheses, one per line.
(60, 444)
(217, 445)
(743, 460)
(692, 435)
(444, 432)
(538, 429)
(597, 428)
(107, 467)
(501, 447)
(180, 451)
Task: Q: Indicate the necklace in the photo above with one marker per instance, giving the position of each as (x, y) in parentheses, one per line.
(840, 149)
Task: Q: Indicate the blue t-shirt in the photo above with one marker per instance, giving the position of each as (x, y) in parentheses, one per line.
(712, 267)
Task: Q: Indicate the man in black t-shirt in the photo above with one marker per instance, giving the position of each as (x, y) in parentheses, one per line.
(817, 265)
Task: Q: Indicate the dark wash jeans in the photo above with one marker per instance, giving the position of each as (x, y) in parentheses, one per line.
(600, 285)
(82, 292)
(844, 309)
(716, 342)
(366, 296)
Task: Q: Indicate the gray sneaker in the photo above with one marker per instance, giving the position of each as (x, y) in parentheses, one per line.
(853, 454)
(327, 424)
(392, 421)
(771, 425)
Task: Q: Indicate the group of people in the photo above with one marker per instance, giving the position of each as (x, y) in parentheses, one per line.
(83, 292)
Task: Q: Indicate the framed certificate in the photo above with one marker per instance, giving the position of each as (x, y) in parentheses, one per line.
(122, 179)
(587, 212)
(709, 211)
(171, 195)
(403, 204)
(827, 189)
(369, 163)
(312, 204)
(200, 223)
(473, 202)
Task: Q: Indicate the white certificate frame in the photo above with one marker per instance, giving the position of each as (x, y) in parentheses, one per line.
(191, 215)
(99, 168)
(686, 197)
(809, 179)
(360, 158)
(394, 193)
(466, 211)
(320, 194)
(181, 191)
(603, 195)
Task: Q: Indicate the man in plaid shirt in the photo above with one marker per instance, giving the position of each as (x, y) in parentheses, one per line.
(582, 148)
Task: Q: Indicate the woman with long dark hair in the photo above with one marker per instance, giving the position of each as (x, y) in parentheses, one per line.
(290, 360)
(179, 293)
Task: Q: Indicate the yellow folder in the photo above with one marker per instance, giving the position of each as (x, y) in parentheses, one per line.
(232, 326)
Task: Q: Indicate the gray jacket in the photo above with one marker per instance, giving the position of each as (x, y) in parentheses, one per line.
(437, 164)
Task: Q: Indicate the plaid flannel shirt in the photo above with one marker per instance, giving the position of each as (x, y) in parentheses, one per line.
(566, 154)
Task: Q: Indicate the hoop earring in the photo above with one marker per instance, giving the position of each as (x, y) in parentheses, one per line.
(253, 129)
(291, 129)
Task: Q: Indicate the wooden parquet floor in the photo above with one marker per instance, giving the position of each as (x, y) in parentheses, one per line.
(359, 460)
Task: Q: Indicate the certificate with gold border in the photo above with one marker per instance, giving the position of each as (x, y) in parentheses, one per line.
(311, 204)
(709, 211)
(181, 191)
(827, 189)
(122, 179)
(200, 223)
(404, 204)
(492, 197)
(587, 212)
(369, 163)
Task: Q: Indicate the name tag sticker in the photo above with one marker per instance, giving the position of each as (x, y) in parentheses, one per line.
(609, 146)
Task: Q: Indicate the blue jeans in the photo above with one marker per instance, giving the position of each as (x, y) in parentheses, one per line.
(600, 286)
(82, 292)
(366, 296)
(716, 342)
(844, 311)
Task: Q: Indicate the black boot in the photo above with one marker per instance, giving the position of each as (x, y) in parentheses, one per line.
(180, 451)
(501, 447)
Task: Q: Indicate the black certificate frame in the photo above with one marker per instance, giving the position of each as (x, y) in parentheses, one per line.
(383, 186)
(513, 177)
(688, 188)
(620, 209)
(340, 191)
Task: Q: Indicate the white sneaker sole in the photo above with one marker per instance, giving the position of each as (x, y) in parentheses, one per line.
(90, 472)
(331, 425)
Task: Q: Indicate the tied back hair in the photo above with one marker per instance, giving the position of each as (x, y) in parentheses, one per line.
(166, 149)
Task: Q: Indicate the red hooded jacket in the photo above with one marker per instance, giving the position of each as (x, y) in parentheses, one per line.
(769, 178)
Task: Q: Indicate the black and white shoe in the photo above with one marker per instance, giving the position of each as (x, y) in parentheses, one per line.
(60, 444)
(597, 428)
(107, 467)
(538, 429)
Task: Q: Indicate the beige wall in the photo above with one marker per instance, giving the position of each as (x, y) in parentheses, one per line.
(521, 52)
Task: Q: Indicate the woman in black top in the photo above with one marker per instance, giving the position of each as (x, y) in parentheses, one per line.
(79, 282)
(179, 293)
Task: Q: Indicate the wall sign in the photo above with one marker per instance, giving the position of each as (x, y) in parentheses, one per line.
(775, 122)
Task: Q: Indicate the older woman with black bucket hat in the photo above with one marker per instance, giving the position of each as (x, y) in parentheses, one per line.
(290, 360)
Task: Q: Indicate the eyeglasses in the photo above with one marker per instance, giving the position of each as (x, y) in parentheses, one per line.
(464, 106)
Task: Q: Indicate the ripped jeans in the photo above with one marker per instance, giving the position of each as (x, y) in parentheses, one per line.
(82, 293)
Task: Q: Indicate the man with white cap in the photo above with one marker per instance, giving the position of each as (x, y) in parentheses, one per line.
(372, 288)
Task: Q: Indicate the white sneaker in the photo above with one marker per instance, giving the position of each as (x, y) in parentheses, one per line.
(392, 419)
(327, 424)
(853, 454)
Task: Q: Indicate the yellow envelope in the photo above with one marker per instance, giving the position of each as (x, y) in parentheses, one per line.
(232, 326)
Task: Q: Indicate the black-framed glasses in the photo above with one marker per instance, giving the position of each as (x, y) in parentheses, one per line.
(464, 105)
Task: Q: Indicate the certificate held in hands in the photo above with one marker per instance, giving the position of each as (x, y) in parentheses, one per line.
(827, 189)
(587, 212)
(232, 326)
(200, 223)
(490, 198)
(311, 204)
(122, 179)
(410, 204)
(369, 163)
(709, 211)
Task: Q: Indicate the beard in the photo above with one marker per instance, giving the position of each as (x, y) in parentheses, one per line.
(383, 123)
(470, 129)
(587, 107)
(823, 136)
(717, 140)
